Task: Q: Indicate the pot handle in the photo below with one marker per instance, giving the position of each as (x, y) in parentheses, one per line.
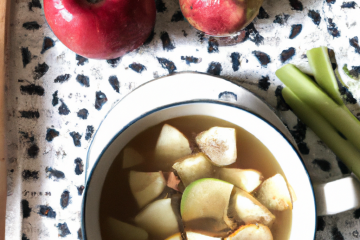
(337, 196)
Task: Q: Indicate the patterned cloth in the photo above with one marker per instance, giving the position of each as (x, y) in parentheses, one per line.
(56, 99)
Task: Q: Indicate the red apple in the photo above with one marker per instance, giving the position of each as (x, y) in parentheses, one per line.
(105, 29)
(220, 17)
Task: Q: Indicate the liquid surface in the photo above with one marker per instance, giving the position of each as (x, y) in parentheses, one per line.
(117, 200)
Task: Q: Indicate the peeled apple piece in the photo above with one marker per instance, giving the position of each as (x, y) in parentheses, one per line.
(206, 198)
(251, 232)
(292, 193)
(171, 145)
(245, 208)
(194, 167)
(158, 219)
(122, 230)
(192, 236)
(146, 186)
(246, 179)
(219, 144)
(274, 193)
(131, 158)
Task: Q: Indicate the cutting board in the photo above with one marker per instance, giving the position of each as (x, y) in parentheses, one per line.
(4, 16)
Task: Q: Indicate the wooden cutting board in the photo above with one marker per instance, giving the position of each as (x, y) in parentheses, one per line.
(4, 23)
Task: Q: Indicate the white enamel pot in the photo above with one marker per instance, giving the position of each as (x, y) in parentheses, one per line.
(304, 212)
(173, 96)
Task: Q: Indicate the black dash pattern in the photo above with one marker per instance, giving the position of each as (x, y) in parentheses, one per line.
(83, 113)
(100, 100)
(262, 14)
(296, 5)
(354, 42)
(287, 54)
(31, 26)
(114, 82)
(76, 138)
(26, 56)
(89, 132)
(51, 134)
(54, 173)
(332, 28)
(62, 78)
(190, 59)
(213, 45)
(114, 62)
(178, 16)
(30, 114)
(83, 80)
(30, 175)
(32, 89)
(295, 30)
(264, 83)
(137, 67)
(315, 16)
(81, 60)
(26, 210)
(47, 44)
(262, 57)
(65, 199)
(322, 164)
(166, 41)
(235, 60)
(167, 64)
(40, 70)
(55, 99)
(214, 68)
(63, 109)
(79, 166)
(46, 211)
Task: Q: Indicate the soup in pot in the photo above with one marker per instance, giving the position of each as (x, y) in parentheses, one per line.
(195, 177)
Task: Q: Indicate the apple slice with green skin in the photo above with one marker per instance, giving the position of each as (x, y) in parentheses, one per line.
(192, 236)
(122, 230)
(251, 232)
(246, 179)
(245, 208)
(194, 167)
(131, 158)
(219, 144)
(158, 219)
(146, 186)
(171, 145)
(203, 200)
(274, 193)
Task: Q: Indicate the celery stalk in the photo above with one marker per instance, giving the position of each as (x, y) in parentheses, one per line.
(309, 93)
(320, 64)
(326, 132)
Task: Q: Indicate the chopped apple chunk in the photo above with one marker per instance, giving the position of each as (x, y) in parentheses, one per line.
(292, 194)
(192, 236)
(206, 201)
(251, 232)
(245, 208)
(146, 186)
(246, 179)
(122, 230)
(171, 145)
(274, 193)
(219, 144)
(194, 167)
(158, 219)
(131, 158)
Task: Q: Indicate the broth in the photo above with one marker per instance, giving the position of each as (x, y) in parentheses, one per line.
(117, 200)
